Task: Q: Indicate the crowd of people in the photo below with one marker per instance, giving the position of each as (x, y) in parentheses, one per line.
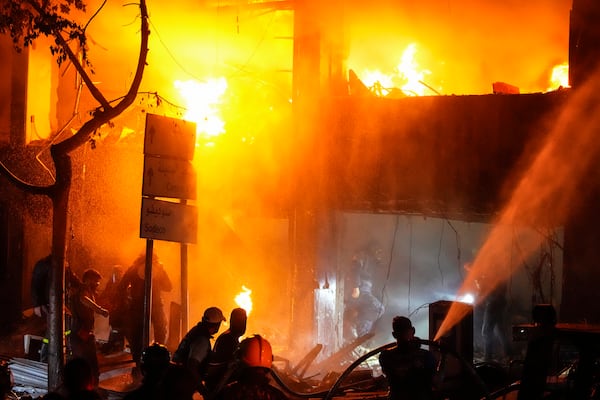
(230, 369)
(234, 368)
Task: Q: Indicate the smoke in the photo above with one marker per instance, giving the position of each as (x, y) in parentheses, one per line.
(558, 180)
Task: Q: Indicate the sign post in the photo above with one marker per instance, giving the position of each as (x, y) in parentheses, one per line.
(169, 145)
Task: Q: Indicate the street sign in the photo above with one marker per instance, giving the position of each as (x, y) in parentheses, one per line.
(169, 137)
(164, 220)
(168, 177)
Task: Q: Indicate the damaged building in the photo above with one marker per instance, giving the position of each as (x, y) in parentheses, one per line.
(341, 185)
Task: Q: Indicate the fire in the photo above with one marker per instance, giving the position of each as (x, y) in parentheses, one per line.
(378, 82)
(407, 76)
(244, 300)
(202, 100)
(559, 77)
(409, 73)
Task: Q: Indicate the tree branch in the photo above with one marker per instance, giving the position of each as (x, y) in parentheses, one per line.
(84, 75)
(103, 116)
(73, 58)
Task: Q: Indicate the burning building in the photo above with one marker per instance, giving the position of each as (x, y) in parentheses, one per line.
(320, 171)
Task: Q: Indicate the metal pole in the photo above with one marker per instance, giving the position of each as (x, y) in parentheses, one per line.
(147, 293)
(184, 285)
(184, 289)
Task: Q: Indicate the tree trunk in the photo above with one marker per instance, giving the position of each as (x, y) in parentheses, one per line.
(60, 190)
(60, 209)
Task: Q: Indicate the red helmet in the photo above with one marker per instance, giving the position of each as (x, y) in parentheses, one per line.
(256, 351)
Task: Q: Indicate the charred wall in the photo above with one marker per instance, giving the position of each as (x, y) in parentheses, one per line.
(584, 34)
(455, 157)
(452, 156)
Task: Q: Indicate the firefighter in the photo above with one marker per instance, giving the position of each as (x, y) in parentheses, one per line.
(255, 356)
(222, 360)
(195, 348)
(6, 380)
(117, 305)
(133, 284)
(78, 383)
(40, 286)
(83, 306)
(408, 368)
(154, 363)
(540, 351)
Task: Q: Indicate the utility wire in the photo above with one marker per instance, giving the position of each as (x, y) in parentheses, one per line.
(185, 70)
(389, 268)
(439, 254)
(458, 251)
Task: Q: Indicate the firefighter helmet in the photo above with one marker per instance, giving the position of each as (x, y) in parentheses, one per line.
(155, 358)
(256, 351)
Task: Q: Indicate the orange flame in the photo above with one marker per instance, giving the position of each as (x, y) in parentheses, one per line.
(244, 300)
(559, 77)
(202, 100)
(378, 82)
(409, 73)
(407, 76)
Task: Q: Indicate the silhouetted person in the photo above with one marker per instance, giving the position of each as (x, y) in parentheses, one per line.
(40, 287)
(362, 311)
(493, 326)
(369, 309)
(229, 341)
(177, 384)
(255, 356)
(117, 304)
(83, 306)
(361, 308)
(223, 354)
(134, 284)
(6, 380)
(154, 363)
(195, 348)
(538, 358)
(78, 382)
(409, 369)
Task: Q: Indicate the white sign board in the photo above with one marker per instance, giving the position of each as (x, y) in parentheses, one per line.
(163, 220)
(169, 137)
(168, 177)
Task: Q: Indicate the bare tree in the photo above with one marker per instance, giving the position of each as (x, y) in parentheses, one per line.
(25, 21)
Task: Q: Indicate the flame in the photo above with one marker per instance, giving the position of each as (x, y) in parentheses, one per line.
(244, 300)
(407, 76)
(559, 77)
(408, 71)
(378, 82)
(202, 100)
